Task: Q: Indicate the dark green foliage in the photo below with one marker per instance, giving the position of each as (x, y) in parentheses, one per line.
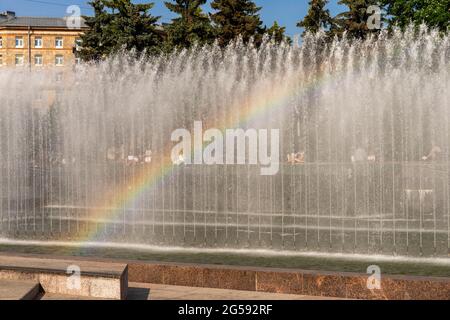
(318, 17)
(278, 33)
(354, 20)
(117, 25)
(122, 24)
(434, 13)
(96, 42)
(233, 18)
(190, 27)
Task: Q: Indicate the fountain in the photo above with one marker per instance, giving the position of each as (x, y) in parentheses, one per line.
(364, 148)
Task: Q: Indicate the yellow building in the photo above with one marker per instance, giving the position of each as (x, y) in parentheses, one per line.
(38, 42)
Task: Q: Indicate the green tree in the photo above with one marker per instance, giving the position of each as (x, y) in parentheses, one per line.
(278, 33)
(119, 24)
(192, 25)
(237, 17)
(355, 20)
(434, 13)
(97, 40)
(133, 25)
(318, 17)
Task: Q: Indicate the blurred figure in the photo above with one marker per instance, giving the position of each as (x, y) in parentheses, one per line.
(148, 156)
(360, 155)
(121, 154)
(434, 154)
(371, 156)
(132, 160)
(111, 154)
(180, 161)
(296, 158)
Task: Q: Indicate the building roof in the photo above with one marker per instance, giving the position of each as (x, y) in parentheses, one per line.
(36, 22)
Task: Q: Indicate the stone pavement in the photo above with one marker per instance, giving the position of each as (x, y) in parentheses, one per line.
(145, 291)
(96, 279)
(56, 296)
(18, 290)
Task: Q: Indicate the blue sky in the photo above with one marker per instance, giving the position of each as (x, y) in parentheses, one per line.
(286, 12)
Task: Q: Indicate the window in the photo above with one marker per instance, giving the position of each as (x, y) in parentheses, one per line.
(19, 60)
(59, 42)
(19, 42)
(78, 44)
(1, 42)
(59, 60)
(38, 60)
(38, 42)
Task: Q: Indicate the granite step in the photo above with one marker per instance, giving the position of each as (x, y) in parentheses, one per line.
(56, 296)
(77, 278)
(18, 290)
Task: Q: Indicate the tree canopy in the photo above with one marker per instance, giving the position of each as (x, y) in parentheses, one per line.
(233, 18)
(120, 24)
(278, 33)
(434, 13)
(123, 24)
(354, 21)
(191, 25)
(318, 17)
(97, 42)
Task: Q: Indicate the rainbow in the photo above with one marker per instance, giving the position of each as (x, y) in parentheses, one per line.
(118, 199)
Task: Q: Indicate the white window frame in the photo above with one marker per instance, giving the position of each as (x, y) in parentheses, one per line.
(40, 40)
(57, 39)
(61, 57)
(16, 59)
(19, 42)
(78, 44)
(41, 60)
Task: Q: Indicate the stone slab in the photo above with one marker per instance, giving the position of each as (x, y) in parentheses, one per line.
(96, 279)
(18, 290)
(286, 281)
(151, 291)
(278, 280)
(56, 296)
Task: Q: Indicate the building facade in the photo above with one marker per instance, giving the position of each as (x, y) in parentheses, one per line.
(38, 42)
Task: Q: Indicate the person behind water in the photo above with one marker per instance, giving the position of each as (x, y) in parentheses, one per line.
(111, 154)
(296, 158)
(434, 154)
(360, 155)
(148, 156)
